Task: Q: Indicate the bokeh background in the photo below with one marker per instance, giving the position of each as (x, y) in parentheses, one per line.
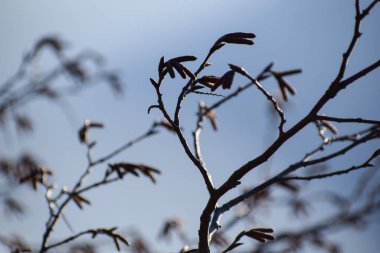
(132, 36)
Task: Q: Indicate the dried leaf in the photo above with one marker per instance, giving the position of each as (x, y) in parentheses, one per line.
(184, 58)
(238, 69)
(284, 85)
(21, 250)
(79, 199)
(13, 207)
(178, 67)
(115, 83)
(76, 70)
(233, 38)
(149, 171)
(240, 35)
(123, 168)
(48, 92)
(208, 81)
(53, 42)
(290, 72)
(171, 225)
(188, 72)
(329, 126)
(293, 187)
(36, 175)
(233, 246)
(83, 248)
(83, 131)
(23, 123)
(219, 239)
(111, 233)
(161, 67)
(229, 77)
(216, 47)
(268, 68)
(166, 124)
(117, 245)
(213, 117)
(154, 83)
(238, 41)
(170, 69)
(225, 81)
(260, 236)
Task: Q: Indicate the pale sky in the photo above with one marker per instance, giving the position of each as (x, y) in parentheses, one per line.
(132, 36)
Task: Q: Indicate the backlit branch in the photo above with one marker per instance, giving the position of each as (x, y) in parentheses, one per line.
(366, 164)
(205, 175)
(347, 120)
(302, 164)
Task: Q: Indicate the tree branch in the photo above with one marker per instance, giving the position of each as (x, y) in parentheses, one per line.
(347, 120)
(177, 129)
(331, 92)
(360, 74)
(227, 206)
(366, 164)
(151, 131)
(266, 94)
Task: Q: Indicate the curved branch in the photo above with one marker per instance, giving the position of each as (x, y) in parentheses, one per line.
(177, 129)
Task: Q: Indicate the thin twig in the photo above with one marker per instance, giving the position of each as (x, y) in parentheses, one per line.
(239, 90)
(268, 96)
(69, 239)
(197, 133)
(151, 131)
(360, 74)
(347, 120)
(187, 87)
(366, 164)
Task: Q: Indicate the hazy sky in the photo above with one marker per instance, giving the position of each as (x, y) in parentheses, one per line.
(133, 35)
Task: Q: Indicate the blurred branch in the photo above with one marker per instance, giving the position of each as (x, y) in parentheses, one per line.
(94, 232)
(151, 131)
(339, 220)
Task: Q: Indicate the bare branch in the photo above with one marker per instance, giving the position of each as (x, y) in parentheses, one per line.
(347, 120)
(344, 83)
(151, 131)
(331, 92)
(177, 129)
(197, 133)
(266, 94)
(94, 232)
(366, 164)
(225, 207)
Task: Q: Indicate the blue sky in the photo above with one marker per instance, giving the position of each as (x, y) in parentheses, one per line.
(133, 36)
